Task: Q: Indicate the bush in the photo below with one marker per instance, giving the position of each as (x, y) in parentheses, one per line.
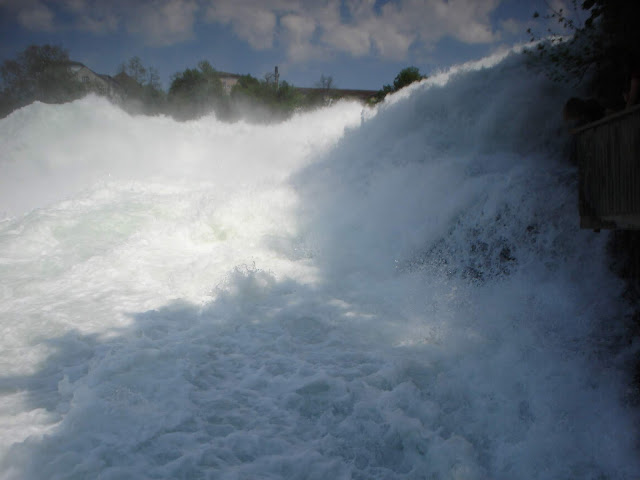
(405, 77)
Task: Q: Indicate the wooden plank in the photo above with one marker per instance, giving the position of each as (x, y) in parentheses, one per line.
(608, 154)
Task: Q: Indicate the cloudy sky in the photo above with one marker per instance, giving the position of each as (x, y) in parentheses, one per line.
(360, 43)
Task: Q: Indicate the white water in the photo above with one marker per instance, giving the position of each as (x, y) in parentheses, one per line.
(399, 293)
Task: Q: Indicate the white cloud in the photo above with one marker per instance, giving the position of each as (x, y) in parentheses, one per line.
(297, 34)
(392, 43)
(303, 28)
(92, 15)
(345, 38)
(391, 31)
(559, 6)
(158, 22)
(253, 22)
(39, 18)
(103, 24)
(464, 20)
(164, 22)
(74, 5)
(31, 14)
(300, 28)
(513, 26)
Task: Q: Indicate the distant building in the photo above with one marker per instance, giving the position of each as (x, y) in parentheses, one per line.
(229, 80)
(100, 83)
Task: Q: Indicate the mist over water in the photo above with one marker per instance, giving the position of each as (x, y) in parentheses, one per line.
(372, 294)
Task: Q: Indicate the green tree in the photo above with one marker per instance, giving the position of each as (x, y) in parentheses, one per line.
(602, 48)
(383, 92)
(135, 69)
(288, 99)
(326, 83)
(323, 94)
(265, 99)
(40, 73)
(142, 87)
(196, 92)
(405, 77)
(153, 78)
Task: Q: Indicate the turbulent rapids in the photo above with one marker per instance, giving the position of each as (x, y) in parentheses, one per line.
(397, 293)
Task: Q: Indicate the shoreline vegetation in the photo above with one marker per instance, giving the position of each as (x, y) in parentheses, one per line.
(46, 73)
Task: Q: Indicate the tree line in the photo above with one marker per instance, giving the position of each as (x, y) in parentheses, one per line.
(45, 74)
(602, 53)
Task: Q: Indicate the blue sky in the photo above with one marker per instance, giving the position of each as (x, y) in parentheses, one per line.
(360, 43)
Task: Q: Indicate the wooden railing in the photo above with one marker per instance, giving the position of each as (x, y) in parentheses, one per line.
(608, 156)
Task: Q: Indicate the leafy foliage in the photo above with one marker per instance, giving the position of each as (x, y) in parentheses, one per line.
(135, 69)
(603, 48)
(46, 73)
(276, 100)
(196, 92)
(326, 82)
(39, 73)
(405, 77)
(141, 86)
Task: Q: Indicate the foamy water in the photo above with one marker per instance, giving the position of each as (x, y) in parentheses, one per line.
(391, 293)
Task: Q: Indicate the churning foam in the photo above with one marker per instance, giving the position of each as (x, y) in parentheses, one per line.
(392, 293)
